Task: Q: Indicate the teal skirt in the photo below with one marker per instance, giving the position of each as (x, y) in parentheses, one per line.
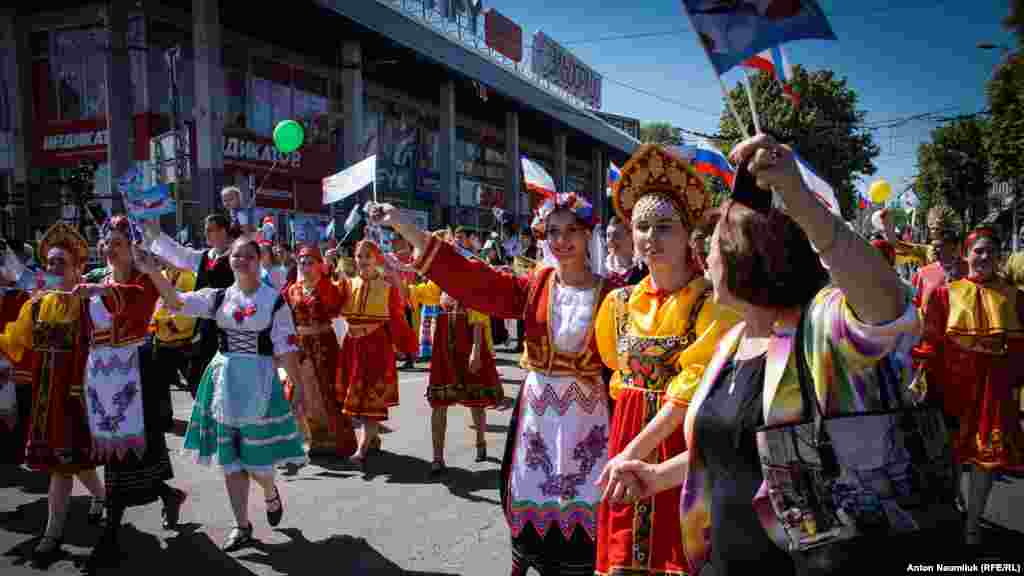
(257, 447)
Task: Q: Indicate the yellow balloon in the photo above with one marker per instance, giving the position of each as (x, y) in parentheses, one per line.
(880, 191)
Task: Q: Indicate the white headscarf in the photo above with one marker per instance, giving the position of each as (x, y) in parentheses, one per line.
(595, 253)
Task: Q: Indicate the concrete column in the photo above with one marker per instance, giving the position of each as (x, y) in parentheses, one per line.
(599, 182)
(208, 115)
(18, 75)
(449, 192)
(561, 167)
(513, 166)
(353, 96)
(120, 100)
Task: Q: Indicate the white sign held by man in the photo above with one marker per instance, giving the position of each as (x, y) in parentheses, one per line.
(350, 180)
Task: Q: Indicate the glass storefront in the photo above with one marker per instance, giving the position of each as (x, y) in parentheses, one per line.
(78, 73)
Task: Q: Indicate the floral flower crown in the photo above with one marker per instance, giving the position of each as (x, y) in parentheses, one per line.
(579, 206)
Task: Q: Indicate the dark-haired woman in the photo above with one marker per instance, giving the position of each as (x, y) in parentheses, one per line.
(240, 420)
(973, 338)
(764, 266)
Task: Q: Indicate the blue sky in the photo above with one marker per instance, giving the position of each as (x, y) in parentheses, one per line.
(902, 57)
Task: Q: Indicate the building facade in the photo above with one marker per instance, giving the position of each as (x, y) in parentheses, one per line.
(190, 92)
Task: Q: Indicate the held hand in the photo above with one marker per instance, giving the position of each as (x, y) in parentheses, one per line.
(151, 229)
(144, 260)
(771, 163)
(87, 291)
(627, 481)
(475, 362)
(387, 215)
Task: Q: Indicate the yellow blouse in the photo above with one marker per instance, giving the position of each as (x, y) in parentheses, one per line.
(429, 294)
(175, 327)
(58, 324)
(650, 319)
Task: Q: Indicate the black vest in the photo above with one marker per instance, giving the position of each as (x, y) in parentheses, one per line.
(220, 276)
(264, 345)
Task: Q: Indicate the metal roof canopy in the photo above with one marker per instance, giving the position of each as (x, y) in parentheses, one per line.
(420, 38)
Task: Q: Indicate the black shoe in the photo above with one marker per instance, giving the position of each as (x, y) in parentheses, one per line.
(481, 453)
(46, 551)
(238, 538)
(172, 509)
(274, 516)
(437, 469)
(375, 446)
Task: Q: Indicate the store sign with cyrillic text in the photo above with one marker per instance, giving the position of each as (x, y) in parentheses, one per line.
(557, 65)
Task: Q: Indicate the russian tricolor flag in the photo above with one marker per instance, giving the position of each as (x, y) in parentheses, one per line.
(774, 62)
(821, 189)
(707, 159)
(614, 173)
(537, 179)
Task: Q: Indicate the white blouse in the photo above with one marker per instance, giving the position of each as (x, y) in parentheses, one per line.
(254, 311)
(571, 310)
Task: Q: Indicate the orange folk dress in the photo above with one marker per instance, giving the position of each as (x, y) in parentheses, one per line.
(367, 379)
(319, 354)
(972, 345)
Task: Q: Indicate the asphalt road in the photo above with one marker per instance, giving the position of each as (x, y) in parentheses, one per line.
(394, 520)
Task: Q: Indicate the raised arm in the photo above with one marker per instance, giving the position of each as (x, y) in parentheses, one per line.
(473, 283)
(874, 291)
(17, 336)
(167, 248)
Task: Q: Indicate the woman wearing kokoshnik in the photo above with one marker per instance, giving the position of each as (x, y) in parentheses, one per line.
(316, 302)
(557, 439)
(125, 398)
(240, 420)
(973, 340)
(768, 266)
(367, 378)
(658, 336)
(52, 331)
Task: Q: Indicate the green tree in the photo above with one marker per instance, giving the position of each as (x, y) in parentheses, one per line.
(826, 129)
(660, 133)
(954, 168)
(1005, 142)
(1015, 20)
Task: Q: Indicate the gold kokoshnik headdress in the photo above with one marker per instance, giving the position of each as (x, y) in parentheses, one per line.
(63, 235)
(657, 181)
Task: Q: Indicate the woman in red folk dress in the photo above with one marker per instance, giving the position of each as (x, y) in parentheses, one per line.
(51, 330)
(315, 302)
(972, 345)
(462, 369)
(367, 382)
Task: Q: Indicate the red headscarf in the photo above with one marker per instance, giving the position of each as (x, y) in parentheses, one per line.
(977, 234)
(312, 251)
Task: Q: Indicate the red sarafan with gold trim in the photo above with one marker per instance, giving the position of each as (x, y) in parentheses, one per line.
(973, 339)
(654, 169)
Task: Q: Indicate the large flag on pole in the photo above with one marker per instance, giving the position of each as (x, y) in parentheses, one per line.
(707, 159)
(774, 62)
(537, 179)
(614, 173)
(735, 30)
(350, 180)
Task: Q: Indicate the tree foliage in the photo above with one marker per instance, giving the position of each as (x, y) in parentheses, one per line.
(1014, 21)
(660, 133)
(954, 168)
(826, 129)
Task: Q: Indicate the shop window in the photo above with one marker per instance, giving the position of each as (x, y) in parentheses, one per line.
(78, 61)
(236, 71)
(272, 96)
(161, 37)
(310, 105)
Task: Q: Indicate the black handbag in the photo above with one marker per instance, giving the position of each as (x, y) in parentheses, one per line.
(842, 485)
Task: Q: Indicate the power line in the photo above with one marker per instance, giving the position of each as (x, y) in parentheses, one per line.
(660, 97)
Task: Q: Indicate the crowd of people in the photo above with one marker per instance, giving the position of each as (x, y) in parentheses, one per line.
(656, 345)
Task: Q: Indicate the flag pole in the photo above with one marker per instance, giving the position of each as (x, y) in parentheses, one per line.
(750, 100)
(721, 83)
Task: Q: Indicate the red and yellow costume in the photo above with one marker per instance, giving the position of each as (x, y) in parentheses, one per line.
(367, 381)
(451, 381)
(972, 345)
(18, 375)
(658, 344)
(314, 309)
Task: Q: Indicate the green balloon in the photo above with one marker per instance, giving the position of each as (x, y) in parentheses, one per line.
(288, 136)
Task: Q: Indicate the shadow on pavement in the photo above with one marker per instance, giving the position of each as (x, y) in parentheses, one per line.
(344, 555)
(30, 519)
(187, 551)
(27, 481)
(999, 542)
(466, 483)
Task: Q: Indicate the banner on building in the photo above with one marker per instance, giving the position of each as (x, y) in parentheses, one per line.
(557, 65)
(503, 35)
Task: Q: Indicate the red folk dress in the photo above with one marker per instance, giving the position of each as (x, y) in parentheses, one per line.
(367, 380)
(972, 345)
(318, 359)
(19, 376)
(451, 381)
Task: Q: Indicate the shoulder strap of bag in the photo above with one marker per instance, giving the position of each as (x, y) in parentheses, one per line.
(691, 329)
(218, 300)
(811, 407)
(621, 300)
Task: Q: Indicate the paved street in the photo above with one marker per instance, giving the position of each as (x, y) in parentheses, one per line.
(394, 520)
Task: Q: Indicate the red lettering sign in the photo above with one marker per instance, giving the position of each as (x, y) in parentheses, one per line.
(503, 35)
